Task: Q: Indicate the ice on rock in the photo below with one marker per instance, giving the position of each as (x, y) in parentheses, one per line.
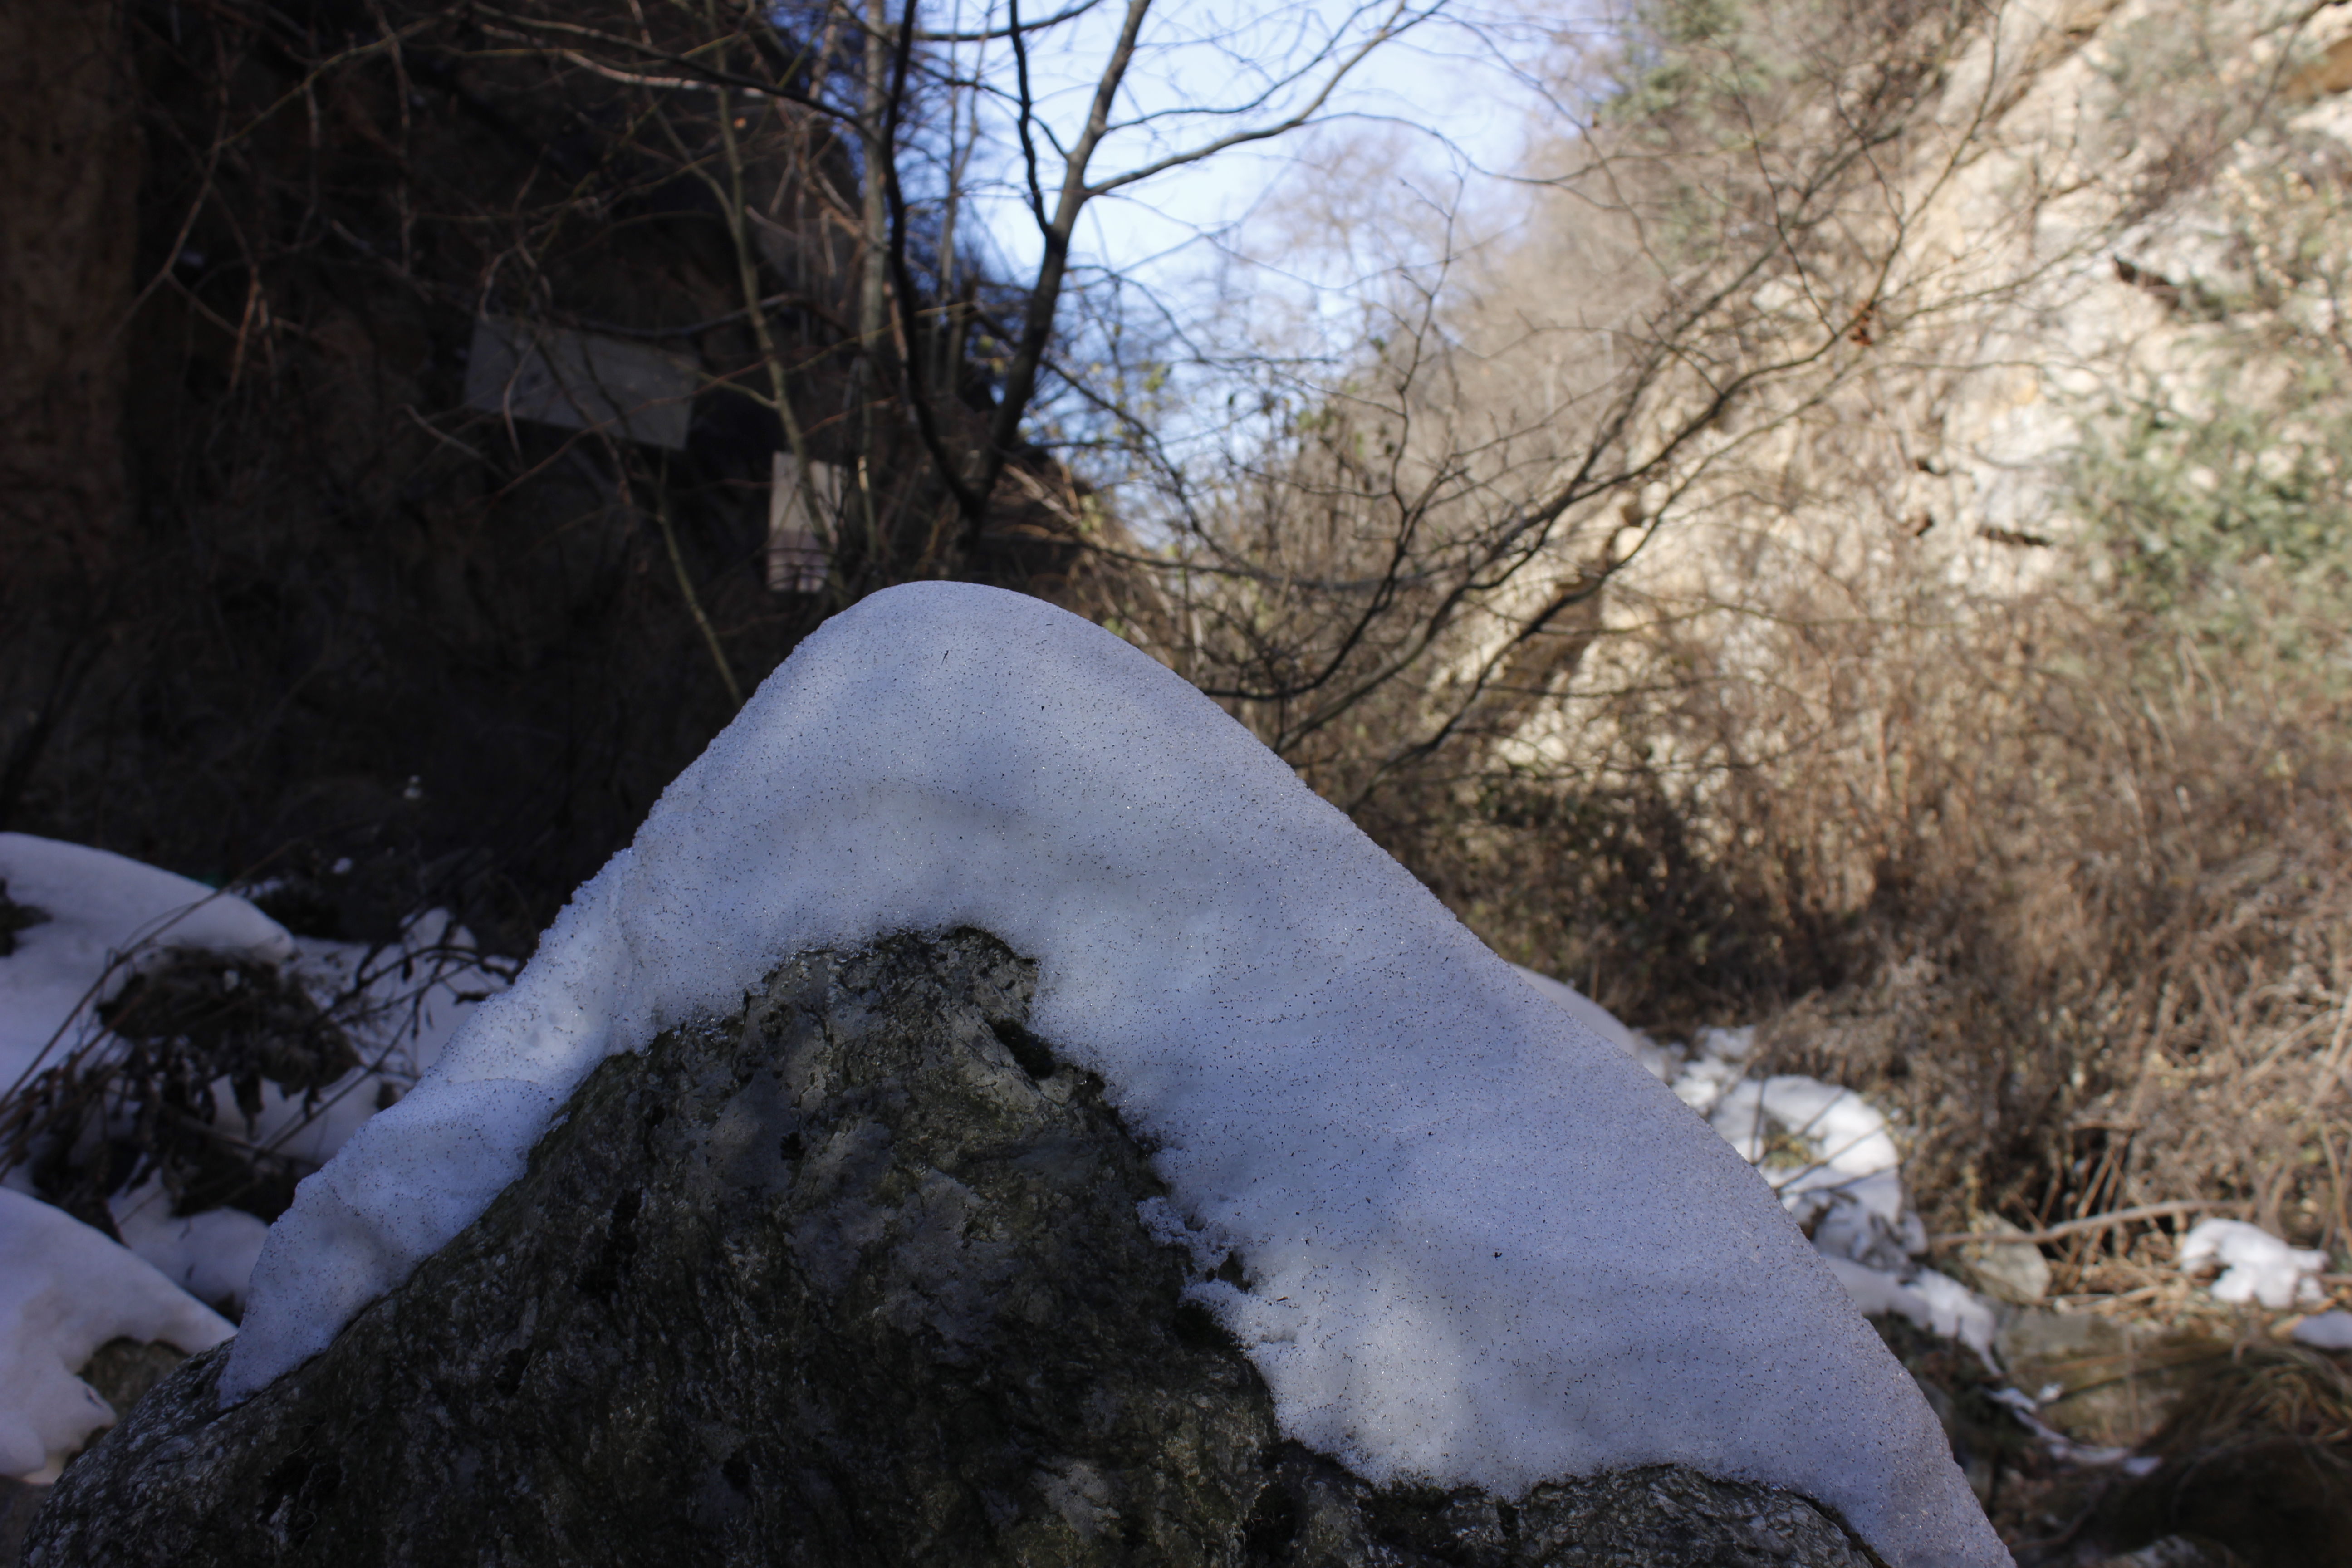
(1485, 1246)
(2256, 1265)
(65, 1290)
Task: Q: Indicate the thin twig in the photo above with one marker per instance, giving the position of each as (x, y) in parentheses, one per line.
(2078, 1226)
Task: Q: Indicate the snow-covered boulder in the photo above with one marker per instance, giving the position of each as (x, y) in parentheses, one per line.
(864, 1274)
(1485, 1247)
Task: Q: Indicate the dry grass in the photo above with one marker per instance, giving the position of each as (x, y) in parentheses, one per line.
(2074, 907)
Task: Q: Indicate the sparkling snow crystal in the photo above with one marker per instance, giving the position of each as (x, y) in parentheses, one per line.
(1486, 1246)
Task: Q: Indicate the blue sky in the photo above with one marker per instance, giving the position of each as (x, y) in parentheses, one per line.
(1440, 102)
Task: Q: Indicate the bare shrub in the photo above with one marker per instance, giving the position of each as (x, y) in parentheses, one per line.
(2074, 904)
(1647, 587)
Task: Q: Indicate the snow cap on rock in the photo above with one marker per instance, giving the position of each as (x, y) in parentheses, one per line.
(1485, 1246)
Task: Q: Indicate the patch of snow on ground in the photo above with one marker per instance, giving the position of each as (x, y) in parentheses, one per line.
(210, 1254)
(402, 1003)
(102, 916)
(65, 1290)
(1937, 1302)
(1488, 1247)
(2325, 1330)
(2257, 1265)
(102, 911)
(1850, 1185)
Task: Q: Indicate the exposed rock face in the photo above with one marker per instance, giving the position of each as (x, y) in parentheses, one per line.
(856, 1276)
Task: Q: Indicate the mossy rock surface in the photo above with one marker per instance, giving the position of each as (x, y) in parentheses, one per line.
(852, 1278)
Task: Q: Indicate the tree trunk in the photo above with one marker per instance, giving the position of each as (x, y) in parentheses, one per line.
(68, 186)
(68, 183)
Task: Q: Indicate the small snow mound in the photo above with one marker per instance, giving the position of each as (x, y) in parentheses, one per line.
(2257, 1266)
(1482, 1246)
(2325, 1330)
(100, 909)
(97, 918)
(65, 1290)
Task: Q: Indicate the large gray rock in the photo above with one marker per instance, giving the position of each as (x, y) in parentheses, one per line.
(854, 1277)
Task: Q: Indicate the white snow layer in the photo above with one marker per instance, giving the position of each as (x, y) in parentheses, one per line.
(403, 1001)
(2258, 1265)
(65, 1290)
(209, 1255)
(1595, 1017)
(1486, 1247)
(1937, 1302)
(1848, 1189)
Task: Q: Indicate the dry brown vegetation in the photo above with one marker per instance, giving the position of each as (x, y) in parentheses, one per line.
(2073, 902)
(1637, 612)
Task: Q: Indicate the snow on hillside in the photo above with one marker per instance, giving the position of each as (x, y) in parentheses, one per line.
(2257, 1266)
(1486, 1246)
